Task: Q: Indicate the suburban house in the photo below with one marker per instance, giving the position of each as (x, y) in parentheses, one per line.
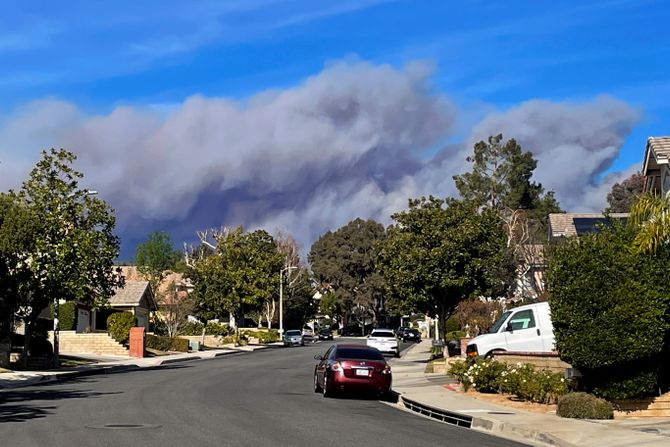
(530, 268)
(578, 224)
(656, 166)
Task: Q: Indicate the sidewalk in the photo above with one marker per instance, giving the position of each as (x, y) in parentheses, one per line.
(108, 365)
(416, 388)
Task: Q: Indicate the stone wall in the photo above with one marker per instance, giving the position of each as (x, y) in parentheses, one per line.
(541, 360)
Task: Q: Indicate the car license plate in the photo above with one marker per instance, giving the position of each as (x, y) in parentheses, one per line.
(362, 372)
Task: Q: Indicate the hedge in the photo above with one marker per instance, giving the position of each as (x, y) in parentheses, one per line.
(610, 309)
(66, 316)
(195, 328)
(161, 343)
(119, 324)
(263, 335)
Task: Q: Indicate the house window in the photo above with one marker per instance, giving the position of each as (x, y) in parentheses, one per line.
(522, 320)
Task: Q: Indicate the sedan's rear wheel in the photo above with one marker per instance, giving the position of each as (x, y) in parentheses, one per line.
(317, 388)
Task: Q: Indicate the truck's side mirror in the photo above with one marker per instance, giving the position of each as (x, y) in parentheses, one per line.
(509, 327)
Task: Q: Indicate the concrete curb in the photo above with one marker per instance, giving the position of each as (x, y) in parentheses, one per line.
(477, 423)
(514, 431)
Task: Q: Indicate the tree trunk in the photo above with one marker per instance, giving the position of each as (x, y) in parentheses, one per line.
(28, 332)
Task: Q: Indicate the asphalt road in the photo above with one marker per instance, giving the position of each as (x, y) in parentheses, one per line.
(258, 399)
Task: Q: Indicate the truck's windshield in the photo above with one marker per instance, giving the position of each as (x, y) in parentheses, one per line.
(496, 327)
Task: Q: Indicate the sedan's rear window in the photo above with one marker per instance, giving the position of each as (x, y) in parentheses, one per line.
(388, 334)
(292, 333)
(358, 353)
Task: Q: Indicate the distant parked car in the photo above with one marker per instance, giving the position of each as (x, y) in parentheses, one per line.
(325, 334)
(401, 331)
(412, 335)
(307, 331)
(351, 367)
(385, 341)
(293, 338)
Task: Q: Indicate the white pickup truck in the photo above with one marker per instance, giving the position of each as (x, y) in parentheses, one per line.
(522, 329)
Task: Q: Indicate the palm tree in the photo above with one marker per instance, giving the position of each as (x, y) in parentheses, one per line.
(651, 213)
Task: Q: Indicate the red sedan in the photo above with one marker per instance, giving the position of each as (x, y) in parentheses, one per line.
(351, 367)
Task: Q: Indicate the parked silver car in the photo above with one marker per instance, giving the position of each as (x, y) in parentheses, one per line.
(293, 338)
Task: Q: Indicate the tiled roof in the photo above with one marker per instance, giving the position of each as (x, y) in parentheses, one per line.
(563, 224)
(131, 294)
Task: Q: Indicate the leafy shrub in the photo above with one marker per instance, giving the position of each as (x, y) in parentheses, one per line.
(458, 369)
(483, 375)
(66, 316)
(212, 328)
(263, 335)
(192, 328)
(270, 336)
(633, 379)
(610, 312)
(452, 324)
(455, 335)
(195, 328)
(584, 406)
(166, 343)
(527, 383)
(119, 324)
(521, 380)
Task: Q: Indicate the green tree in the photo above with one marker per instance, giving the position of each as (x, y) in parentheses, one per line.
(440, 252)
(18, 227)
(501, 179)
(73, 251)
(610, 309)
(237, 272)
(156, 257)
(343, 263)
(623, 195)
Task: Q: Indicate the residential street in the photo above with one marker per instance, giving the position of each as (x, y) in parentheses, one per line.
(259, 399)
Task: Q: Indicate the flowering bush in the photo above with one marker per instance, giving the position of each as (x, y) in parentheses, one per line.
(458, 369)
(483, 376)
(521, 380)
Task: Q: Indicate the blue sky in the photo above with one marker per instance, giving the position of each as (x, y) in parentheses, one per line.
(484, 56)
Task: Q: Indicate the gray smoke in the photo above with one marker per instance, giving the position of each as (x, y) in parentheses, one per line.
(346, 143)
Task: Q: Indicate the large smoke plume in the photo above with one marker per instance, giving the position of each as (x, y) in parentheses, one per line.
(348, 142)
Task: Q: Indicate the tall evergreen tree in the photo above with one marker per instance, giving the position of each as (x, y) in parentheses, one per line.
(501, 179)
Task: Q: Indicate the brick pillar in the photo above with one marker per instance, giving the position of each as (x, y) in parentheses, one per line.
(464, 345)
(137, 342)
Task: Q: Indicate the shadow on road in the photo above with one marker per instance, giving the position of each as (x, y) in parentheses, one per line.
(351, 395)
(23, 405)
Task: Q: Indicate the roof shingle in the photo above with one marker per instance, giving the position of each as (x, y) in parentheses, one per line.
(131, 294)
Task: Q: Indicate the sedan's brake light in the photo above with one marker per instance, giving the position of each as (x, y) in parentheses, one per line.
(386, 370)
(336, 367)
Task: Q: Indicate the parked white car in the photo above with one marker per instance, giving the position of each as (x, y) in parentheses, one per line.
(384, 340)
(523, 329)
